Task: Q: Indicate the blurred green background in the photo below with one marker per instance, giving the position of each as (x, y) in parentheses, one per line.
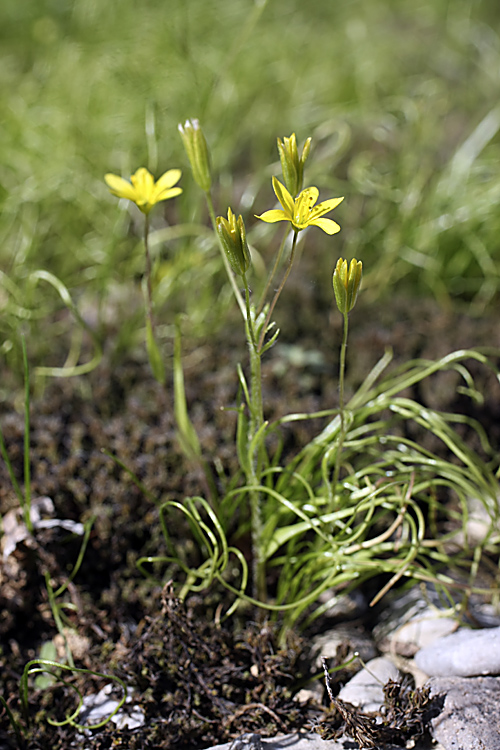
(401, 98)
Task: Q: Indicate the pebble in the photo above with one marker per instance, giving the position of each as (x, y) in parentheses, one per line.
(97, 707)
(420, 631)
(412, 622)
(466, 653)
(325, 645)
(366, 688)
(314, 742)
(470, 719)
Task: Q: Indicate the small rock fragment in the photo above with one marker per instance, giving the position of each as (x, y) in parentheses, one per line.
(466, 653)
(326, 644)
(470, 719)
(410, 623)
(366, 688)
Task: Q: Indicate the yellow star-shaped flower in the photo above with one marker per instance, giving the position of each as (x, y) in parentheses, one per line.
(302, 212)
(142, 188)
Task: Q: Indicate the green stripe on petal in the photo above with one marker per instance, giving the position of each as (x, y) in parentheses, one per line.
(325, 206)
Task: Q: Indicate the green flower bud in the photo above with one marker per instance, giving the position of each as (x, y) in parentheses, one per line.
(197, 152)
(346, 282)
(292, 166)
(232, 235)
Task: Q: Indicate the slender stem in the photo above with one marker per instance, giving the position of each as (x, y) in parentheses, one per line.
(278, 291)
(27, 471)
(254, 475)
(338, 454)
(249, 322)
(230, 275)
(256, 420)
(57, 618)
(256, 454)
(149, 283)
(272, 274)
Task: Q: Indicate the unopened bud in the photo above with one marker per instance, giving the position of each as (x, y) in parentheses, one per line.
(291, 165)
(346, 282)
(197, 152)
(232, 234)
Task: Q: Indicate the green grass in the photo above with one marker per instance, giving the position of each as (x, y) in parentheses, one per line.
(400, 100)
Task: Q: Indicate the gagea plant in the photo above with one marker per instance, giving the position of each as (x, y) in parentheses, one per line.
(146, 193)
(362, 498)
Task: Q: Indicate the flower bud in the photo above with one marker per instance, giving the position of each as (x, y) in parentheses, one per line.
(232, 235)
(291, 166)
(197, 152)
(346, 282)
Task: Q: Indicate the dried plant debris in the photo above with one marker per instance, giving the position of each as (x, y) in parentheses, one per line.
(196, 683)
(200, 683)
(405, 716)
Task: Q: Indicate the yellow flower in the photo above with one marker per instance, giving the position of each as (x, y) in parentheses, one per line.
(302, 212)
(142, 188)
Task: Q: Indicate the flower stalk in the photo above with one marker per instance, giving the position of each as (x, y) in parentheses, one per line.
(346, 282)
(145, 192)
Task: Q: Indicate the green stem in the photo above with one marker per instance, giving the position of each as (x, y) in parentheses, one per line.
(250, 329)
(27, 472)
(272, 274)
(148, 272)
(278, 291)
(338, 454)
(254, 476)
(230, 275)
(57, 618)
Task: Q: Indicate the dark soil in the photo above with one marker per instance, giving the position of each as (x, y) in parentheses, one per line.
(197, 681)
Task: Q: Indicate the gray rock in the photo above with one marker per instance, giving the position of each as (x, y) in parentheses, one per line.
(325, 645)
(97, 707)
(413, 620)
(466, 653)
(292, 742)
(420, 631)
(366, 688)
(314, 742)
(470, 719)
(247, 741)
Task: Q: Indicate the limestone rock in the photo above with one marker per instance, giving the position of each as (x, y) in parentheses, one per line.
(466, 653)
(470, 719)
(366, 688)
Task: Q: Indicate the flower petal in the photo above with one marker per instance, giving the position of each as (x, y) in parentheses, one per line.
(327, 225)
(120, 187)
(304, 205)
(143, 182)
(284, 198)
(165, 194)
(168, 179)
(325, 206)
(275, 214)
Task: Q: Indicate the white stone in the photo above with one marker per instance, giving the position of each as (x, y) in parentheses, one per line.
(99, 706)
(470, 719)
(465, 653)
(303, 741)
(325, 645)
(422, 630)
(366, 688)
